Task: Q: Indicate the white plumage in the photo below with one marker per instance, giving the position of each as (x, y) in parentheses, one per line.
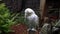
(32, 18)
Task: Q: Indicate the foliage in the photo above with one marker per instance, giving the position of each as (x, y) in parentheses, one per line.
(20, 19)
(6, 21)
(57, 23)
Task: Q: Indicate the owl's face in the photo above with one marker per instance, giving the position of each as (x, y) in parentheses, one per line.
(29, 11)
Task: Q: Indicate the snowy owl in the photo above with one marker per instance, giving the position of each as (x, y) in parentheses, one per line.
(32, 18)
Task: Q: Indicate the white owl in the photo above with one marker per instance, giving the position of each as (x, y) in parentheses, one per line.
(32, 18)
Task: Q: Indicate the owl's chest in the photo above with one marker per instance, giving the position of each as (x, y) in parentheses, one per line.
(31, 18)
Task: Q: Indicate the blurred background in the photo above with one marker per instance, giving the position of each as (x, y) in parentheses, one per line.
(12, 14)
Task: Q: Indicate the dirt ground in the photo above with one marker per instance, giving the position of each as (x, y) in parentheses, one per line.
(20, 29)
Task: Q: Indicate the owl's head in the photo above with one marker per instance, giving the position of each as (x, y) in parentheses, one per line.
(29, 11)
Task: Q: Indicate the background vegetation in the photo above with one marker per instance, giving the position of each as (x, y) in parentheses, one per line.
(7, 19)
